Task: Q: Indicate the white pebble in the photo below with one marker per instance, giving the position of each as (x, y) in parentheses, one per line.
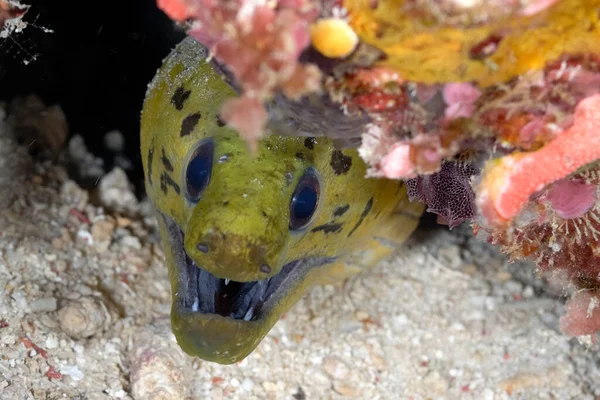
(73, 371)
(269, 386)
(457, 326)
(131, 241)
(8, 339)
(247, 384)
(78, 348)
(46, 304)
(488, 394)
(114, 141)
(86, 236)
(514, 286)
(336, 368)
(400, 320)
(51, 342)
(528, 292)
(316, 360)
(490, 304)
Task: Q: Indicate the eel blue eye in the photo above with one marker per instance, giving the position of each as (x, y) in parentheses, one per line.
(199, 169)
(304, 200)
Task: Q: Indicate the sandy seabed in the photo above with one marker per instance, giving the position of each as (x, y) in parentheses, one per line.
(85, 300)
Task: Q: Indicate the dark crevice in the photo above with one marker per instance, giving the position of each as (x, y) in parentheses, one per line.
(95, 67)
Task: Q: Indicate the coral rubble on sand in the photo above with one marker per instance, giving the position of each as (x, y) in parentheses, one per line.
(488, 109)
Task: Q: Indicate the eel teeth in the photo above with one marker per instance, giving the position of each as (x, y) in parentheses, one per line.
(248, 315)
(227, 281)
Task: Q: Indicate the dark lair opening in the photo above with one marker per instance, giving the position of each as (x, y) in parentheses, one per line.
(95, 65)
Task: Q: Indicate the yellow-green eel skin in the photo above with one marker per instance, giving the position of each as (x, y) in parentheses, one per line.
(239, 228)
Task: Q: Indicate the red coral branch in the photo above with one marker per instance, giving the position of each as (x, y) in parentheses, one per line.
(52, 373)
(30, 345)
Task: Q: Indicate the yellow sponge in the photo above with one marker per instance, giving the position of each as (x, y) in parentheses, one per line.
(333, 37)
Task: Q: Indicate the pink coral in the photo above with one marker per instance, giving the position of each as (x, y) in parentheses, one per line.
(530, 131)
(177, 10)
(396, 164)
(259, 43)
(245, 113)
(460, 98)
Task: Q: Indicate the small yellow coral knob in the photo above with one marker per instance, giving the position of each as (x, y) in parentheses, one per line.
(333, 37)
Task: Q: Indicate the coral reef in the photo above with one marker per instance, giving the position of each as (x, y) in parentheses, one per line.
(524, 98)
(488, 109)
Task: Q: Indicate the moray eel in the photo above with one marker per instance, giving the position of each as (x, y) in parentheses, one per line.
(246, 235)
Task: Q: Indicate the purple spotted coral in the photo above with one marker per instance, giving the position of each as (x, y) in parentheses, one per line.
(447, 193)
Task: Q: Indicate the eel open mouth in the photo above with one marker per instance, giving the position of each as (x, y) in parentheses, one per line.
(201, 292)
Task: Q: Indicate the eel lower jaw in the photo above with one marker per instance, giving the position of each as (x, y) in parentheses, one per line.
(223, 320)
(203, 293)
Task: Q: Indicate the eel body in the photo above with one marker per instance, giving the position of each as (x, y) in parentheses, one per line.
(246, 235)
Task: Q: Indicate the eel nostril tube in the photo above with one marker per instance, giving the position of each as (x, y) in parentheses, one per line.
(203, 247)
(264, 268)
